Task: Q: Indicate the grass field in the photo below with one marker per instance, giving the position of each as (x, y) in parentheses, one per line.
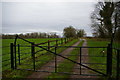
(102, 58)
(6, 49)
(26, 56)
(26, 61)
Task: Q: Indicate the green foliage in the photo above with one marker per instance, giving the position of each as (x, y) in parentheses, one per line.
(72, 32)
(81, 33)
(69, 32)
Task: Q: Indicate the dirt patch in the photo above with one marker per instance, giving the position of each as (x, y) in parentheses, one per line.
(50, 65)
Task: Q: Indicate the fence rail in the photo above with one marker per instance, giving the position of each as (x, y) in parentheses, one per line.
(21, 49)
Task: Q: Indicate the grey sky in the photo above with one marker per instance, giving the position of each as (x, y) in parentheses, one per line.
(23, 17)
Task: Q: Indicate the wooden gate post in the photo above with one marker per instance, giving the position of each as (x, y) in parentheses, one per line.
(12, 56)
(109, 60)
(15, 67)
(33, 54)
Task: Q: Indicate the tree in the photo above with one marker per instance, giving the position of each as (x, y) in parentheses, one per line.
(81, 33)
(117, 21)
(102, 19)
(69, 32)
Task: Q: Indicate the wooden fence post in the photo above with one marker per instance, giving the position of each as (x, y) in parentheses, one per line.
(61, 41)
(56, 42)
(48, 45)
(12, 56)
(33, 54)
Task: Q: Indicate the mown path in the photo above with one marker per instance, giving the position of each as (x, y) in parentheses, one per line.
(51, 63)
(83, 60)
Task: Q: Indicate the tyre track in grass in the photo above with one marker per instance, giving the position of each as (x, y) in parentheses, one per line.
(51, 63)
(83, 69)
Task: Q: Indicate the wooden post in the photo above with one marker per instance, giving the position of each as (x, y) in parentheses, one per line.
(61, 41)
(15, 56)
(56, 42)
(48, 45)
(33, 54)
(12, 56)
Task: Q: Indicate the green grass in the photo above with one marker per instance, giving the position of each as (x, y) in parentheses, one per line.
(28, 60)
(6, 49)
(102, 58)
(66, 65)
(97, 52)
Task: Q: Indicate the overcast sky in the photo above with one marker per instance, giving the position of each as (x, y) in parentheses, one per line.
(23, 17)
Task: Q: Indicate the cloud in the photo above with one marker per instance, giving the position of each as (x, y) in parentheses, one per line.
(48, 0)
(25, 17)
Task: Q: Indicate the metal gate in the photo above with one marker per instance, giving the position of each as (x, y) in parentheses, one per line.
(39, 55)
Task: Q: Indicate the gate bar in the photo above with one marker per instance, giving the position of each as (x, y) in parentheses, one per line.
(15, 50)
(72, 60)
(19, 53)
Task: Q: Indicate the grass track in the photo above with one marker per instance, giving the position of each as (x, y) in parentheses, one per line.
(66, 66)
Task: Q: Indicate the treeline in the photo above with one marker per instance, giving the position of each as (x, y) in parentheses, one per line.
(68, 32)
(106, 20)
(74, 33)
(31, 35)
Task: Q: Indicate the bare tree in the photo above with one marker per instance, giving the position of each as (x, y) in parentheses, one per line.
(117, 21)
(101, 19)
